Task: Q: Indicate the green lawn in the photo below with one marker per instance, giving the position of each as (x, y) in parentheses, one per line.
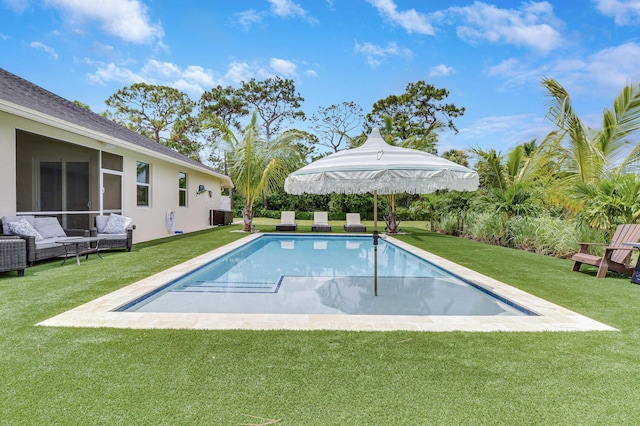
(77, 376)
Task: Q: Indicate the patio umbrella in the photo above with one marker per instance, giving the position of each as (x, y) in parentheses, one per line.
(380, 168)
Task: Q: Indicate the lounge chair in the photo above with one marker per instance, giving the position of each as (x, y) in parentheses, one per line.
(287, 222)
(320, 222)
(616, 256)
(353, 223)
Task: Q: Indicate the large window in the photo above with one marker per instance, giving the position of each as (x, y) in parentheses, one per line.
(143, 185)
(182, 189)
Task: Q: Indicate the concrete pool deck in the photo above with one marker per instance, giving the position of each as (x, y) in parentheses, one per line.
(100, 312)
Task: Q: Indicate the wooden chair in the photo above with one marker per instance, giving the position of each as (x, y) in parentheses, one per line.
(616, 256)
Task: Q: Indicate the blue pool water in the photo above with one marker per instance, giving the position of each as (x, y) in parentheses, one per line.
(319, 274)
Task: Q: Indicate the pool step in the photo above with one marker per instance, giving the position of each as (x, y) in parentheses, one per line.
(229, 287)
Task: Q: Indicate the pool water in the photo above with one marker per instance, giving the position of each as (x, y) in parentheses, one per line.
(319, 274)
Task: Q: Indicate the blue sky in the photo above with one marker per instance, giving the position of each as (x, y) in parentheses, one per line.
(491, 55)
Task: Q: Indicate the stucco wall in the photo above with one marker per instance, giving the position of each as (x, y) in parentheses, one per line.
(150, 221)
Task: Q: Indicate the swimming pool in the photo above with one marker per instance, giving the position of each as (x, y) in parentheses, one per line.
(310, 274)
(104, 311)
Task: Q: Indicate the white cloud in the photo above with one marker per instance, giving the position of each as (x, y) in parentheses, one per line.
(376, 54)
(249, 17)
(498, 132)
(623, 12)
(110, 73)
(17, 6)
(126, 19)
(241, 71)
(289, 9)
(283, 67)
(410, 20)
(47, 49)
(533, 25)
(602, 73)
(192, 80)
(440, 71)
(311, 73)
(285, 8)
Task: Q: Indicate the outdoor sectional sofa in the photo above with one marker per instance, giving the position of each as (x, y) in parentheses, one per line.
(121, 238)
(13, 254)
(48, 232)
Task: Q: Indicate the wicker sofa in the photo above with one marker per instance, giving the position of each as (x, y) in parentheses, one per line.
(45, 248)
(118, 240)
(13, 254)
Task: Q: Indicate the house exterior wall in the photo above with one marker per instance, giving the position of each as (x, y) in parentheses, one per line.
(151, 221)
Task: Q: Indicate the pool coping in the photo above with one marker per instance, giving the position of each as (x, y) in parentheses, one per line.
(99, 312)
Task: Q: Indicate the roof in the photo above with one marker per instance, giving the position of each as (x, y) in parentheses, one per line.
(23, 93)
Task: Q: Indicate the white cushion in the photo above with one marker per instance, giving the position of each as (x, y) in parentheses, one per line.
(117, 224)
(101, 222)
(49, 227)
(23, 227)
(113, 236)
(7, 219)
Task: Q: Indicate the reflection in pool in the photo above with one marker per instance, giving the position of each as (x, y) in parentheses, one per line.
(319, 274)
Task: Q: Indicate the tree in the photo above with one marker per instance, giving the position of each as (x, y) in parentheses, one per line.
(594, 161)
(417, 113)
(224, 103)
(591, 155)
(335, 122)
(257, 164)
(274, 100)
(161, 113)
(458, 156)
(610, 202)
(82, 104)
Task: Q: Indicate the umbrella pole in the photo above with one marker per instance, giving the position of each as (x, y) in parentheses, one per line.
(375, 243)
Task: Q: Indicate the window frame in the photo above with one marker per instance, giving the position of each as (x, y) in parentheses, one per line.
(182, 191)
(143, 185)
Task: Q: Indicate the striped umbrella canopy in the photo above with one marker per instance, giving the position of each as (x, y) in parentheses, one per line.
(379, 168)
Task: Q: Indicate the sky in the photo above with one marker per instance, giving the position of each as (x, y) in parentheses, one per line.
(490, 55)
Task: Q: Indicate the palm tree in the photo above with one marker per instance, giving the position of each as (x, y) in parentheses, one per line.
(593, 161)
(256, 164)
(590, 154)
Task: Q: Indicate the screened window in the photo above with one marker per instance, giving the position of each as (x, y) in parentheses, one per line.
(143, 184)
(182, 189)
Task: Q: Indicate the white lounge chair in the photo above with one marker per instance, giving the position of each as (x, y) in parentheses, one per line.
(321, 222)
(287, 222)
(353, 223)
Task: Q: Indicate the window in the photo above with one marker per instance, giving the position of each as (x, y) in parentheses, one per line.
(143, 183)
(182, 189)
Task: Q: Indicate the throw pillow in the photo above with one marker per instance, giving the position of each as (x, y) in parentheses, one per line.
(117, 224)
(22, 227)
(49, 227)
(8, 219)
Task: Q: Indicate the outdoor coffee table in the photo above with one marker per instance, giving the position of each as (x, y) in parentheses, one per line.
(80, 246)
(635, 278)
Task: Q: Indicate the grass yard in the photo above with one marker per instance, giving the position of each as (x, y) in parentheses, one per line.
(76, 376)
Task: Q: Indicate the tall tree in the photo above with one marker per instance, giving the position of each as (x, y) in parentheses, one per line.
(419, 112)
(275, 100)
(161, 113)
(258, 165)
(334, 123)
(595, 154)
(594, 161)
(458, 156)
